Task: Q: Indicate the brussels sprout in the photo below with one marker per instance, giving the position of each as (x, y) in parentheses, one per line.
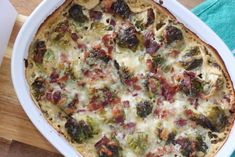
(195, 63)
(201, 145)
(79, 131)
(94, 124)
(190, 147)
(158, 60)
(127, 38)
(38, 87)
(144, 108)
(76, 13)
(140, 25)
(192, 51)
(172, 34)
(171, 137)
(215, 119)
(138, 142)
(121, 8)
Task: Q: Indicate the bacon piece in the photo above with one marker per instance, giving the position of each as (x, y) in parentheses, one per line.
(107, 148)
(54, 76)
(181, 122)
(130, 126)
(107, 5)
(150, 17)
(168, 91)
(56, 97)
(74, 36)
(95, 15)
(149, 43)
(39, 52)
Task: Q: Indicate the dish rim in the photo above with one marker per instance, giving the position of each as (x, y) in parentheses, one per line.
(29, 29)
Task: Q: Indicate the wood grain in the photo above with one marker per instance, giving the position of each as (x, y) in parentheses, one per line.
(15, 124)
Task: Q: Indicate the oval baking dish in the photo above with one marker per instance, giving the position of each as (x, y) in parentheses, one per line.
(46, 8)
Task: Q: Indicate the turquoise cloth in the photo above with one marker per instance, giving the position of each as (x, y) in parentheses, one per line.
(220, 16)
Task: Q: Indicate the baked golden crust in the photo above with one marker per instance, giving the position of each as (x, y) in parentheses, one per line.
(136, 6)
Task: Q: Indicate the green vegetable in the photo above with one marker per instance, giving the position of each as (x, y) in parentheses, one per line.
(79, 131)
(144, 108)
(76, 13)
(217, 117)
(39, 87)
(158, 60)
(195, 63)
(192, 51)
(201, 145)
(140, 25)
(138, 142)
(94, 124)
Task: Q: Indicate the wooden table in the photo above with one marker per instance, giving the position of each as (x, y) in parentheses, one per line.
(18, 136)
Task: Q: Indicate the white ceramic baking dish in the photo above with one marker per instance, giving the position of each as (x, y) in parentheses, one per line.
(28, 31)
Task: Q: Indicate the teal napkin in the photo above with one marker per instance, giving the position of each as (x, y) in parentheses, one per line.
(220, 16)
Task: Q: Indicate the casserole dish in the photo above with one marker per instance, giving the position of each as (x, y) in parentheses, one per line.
(27, 33)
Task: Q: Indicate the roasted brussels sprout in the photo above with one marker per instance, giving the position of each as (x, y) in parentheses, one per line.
(76, 13)
(158, 60)
(144, 108)
(215, 119)
(190, 147)
(78, 131)
(195, 63)
(39, 87)
(192, 51)
(171, 137)
(121, 8)
(138, 142)
(191, 85)
(172, 34)
(127, 38)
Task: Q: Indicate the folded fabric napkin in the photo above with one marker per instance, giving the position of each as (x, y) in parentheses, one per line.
(220, 16)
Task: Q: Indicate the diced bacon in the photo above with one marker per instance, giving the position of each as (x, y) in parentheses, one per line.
(95, 15)
(54, 77)
(168, 91)
(188, 112)
(181, 122)
(137, 87)
(107, 5)
(126, 104)
(118, 115)
(74, 36)
(108, 41)
(64, 58)
(174, 53)
(149, 43)
(95, 105)
(101, 142)
(56, 97)
(130, 126)
(150, 17)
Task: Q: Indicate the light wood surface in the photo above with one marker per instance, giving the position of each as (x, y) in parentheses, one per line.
(14, 123)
